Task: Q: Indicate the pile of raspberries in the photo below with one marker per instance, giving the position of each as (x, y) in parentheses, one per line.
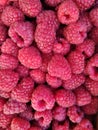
(48, 64)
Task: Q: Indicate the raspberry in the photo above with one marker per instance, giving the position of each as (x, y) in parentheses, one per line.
(8, 61)
(2, 102)
(54, 82)
(75, 114)
(59, 67)
(30, 8)
(92, 86)
(94, 34)
(65, 98)
(53, 2)
(22, 33)
(44, 118)
(75, 81)
(8, 80)
(42, 98)
(68, 12)
(3, 33)
(19, 124)
(30, 57)
(91, 108)
(23, 91)
(92, 66)
(5, 94)
(76, 61)
(13, 107)
(3, 2)
(59, 113)
(9, 47)
(75, 33)
(83, 97)
(11, 14)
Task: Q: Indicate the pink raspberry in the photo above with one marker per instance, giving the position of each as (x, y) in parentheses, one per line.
(8, 61)
(75, 81)
(77, 62)
(11, 14)
(75, 33)
(65, 98)
(8, 80)
(68, 12)
(22, 33)
(75, 114)
(3, 33)
(2, 102)
(53, 2)
(54, 82)
(30, 57)
(94, 34)
(5, 94)
(44, 118)
(83, 97)
(9, 47)
(23, 91)
(19, 124)
(31, 8)
(42, 98)
(59, 67)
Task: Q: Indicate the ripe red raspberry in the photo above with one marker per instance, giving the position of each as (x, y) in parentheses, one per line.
(83, 97)
(44, 118)
(8, 80)
(30, 57)
(5, 94)
(77, 62)
(42, 98)
(75, 33)
(91, 108)
(75, 81)
(22, 33)
(59, 67)
(65, 98)
(92, 67)
(75, 114)
(68, 12)
(23, 91)
(38, 76)
(54, 82)
(3, 33)
(19, 124)
(94, 34)
(53, 2)
(8, 61)
(2, 102)
(11, 14)
(9, 47)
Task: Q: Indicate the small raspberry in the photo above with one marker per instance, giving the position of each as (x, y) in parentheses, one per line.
(59, 67)
(5, 94)
(8, 80)
(76, 61)
(65, 98)
(2, 102)
(53, 2)
(23, 91)
(19, 124)
(3, 33)
(22, 33)
(11, 14)
(42, 98)
(75, 81)
(44, 118)
(94, 34)
(30, 57)
(83, 97)
(68, 12)
(75, 114)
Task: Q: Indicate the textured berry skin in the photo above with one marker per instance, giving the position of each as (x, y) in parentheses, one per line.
(19, 124)
(30, 8)
(23, 91)
(75, 81)
(44, 118)
(13, 107)
(65, 98)
(83, 97)
(75, 114)
(3, 33)
(30, 57)
(42, 98)
(94, 34)
(2, 102)
(76, 61)
(11, 14)
(22, 33)
(5, 94)
(68, 12)
(8, 80)
(59, 67)
(53, 2)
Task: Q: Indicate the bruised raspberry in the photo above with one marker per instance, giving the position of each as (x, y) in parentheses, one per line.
(3, 33)
(53, 2)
